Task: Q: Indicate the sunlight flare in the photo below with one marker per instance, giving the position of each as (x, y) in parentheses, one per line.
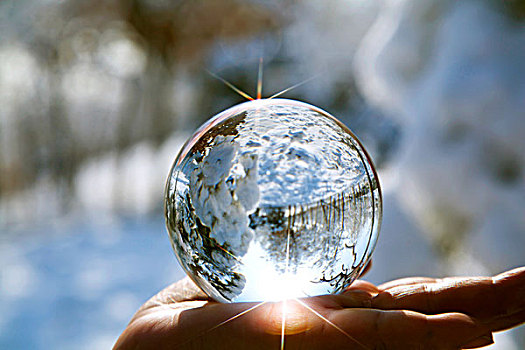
(331, 324)
(282, 92)
(260, 79)
(231, 86)
(283, 323)
(237, 316)
(224, 322)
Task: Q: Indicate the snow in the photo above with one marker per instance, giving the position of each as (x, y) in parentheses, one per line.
(78, 287)
(452, 74)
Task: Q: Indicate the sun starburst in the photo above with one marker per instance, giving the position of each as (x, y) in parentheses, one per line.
(259, 84)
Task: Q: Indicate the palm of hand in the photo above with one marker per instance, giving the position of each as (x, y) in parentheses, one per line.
(416, 313)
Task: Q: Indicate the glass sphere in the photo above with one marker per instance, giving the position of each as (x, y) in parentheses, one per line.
(273, 199)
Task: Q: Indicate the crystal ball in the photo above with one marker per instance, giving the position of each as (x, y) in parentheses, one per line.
(273, 199)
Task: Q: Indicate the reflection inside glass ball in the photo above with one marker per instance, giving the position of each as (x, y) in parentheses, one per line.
(273, 199)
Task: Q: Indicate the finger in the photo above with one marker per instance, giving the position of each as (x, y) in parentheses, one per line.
(352, 299)
(180, 291)
(489, 299)
(409, 330)
(407, 281)
(507, 321)
(363, 286)
(183, 290)
(479, 342)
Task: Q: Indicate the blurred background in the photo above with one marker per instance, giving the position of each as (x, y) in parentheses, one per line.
(96, 98)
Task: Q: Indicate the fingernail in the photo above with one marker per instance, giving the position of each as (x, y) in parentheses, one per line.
(479, 342)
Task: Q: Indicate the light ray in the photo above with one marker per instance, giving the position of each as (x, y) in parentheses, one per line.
(231, 86)
(236, 316)
(283, 324)
(223, 249)
(230, 253)
(223, 323)
(332, 324)
(260, 79)
(293, 87)
(289, 228)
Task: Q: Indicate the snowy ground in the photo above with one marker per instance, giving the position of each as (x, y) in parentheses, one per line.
(78, 288)
(449, 72)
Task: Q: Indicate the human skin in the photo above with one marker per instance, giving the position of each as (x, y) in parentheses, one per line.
(411, 313)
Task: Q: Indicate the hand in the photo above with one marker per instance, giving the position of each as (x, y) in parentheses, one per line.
(413, 313)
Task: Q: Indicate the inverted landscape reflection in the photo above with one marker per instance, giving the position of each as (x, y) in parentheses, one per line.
(273, 192)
